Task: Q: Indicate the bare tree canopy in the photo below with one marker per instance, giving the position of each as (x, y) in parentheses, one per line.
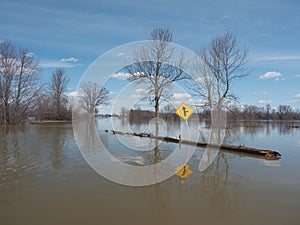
(19, 83)
(155, 73)
(58, 87)
(92, 96)
(52, 103)
(220, 64)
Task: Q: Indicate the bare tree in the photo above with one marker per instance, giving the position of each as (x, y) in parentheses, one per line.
(58, 87)
(92, 96)
(268, 111)
(124, 112)
(44, 109)
(155, 73)
(220, 64)
(19, 83)
(284, 111)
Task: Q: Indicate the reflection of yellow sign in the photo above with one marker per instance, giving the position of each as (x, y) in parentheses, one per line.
(183, 171)
(184, 111)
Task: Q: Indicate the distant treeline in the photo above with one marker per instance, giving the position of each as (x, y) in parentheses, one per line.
(141, 116)
(250, 112)
(247, 112)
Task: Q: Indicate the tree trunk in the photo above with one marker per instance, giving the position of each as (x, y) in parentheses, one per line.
(6, 113)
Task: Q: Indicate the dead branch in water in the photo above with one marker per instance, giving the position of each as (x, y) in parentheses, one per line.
(267, 154)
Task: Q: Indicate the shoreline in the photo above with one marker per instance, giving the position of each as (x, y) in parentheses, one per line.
(46, 121)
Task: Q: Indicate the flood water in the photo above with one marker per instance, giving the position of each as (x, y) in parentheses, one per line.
(45, 180)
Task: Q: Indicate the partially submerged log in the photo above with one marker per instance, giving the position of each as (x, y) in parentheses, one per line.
(267, 154)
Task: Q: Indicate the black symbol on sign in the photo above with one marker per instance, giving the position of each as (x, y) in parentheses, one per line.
(184, 111)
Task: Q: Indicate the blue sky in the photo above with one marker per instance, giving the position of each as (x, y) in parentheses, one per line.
(72, 34)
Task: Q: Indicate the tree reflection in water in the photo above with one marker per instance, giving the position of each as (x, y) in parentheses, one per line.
(215, 184)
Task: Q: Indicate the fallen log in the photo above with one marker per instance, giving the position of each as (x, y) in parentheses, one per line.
(267, 154)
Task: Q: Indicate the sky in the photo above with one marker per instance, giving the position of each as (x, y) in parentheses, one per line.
(73, 34)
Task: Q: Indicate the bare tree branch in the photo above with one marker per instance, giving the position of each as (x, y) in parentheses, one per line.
(155, 73)
(93, 95)
(221, 63)
(19, 83)
(58, 87)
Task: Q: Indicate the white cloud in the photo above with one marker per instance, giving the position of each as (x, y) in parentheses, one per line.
(297, 95)
(264, 93)
(270, 75)
(121, 76)
(73, 94)
(121, 54)
(202, 79)
(139, 74)
(264, 101)
(178, 98)
(124, 76)
(70, 60)
(260, 93)
(199, 79)
(297, 75)
(141, 93)
(30, 54)
(277, 58)
(294, 101)
(181, 96)
(200, 102)
(281, 78)
(57, 64)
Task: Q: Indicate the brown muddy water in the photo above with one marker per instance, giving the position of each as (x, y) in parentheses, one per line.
(45, 180)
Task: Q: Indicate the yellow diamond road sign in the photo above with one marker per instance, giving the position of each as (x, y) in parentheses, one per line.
(184, 111)
(183, 171)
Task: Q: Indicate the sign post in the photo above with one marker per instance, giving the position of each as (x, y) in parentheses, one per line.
(184, 111)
